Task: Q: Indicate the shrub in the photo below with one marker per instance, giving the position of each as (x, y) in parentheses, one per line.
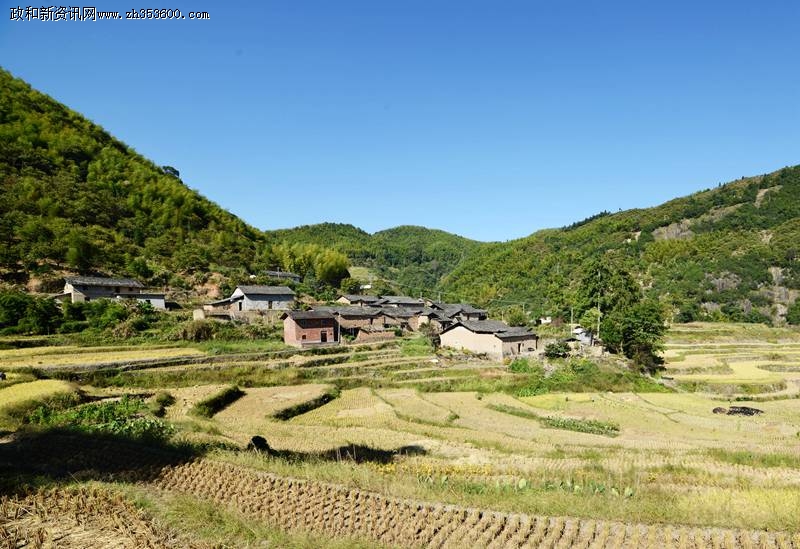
(160, 402)
(559, 349)
(198, 330)
(793, 315)
(218, 402)
(122, 418)
(520, 366)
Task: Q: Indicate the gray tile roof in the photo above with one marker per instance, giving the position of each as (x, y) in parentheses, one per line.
(308, 315)
(266, 290)
(102, 281)
(495, 327)
(399, 300)
(362, 298)
(400, 312)
(453, 309)
(351, 312)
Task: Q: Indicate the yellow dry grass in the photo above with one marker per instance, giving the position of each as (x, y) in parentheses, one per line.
(354, 408)
(70, 356)
(262, 402)
(34, 390)
(187, 397)
(408, 403)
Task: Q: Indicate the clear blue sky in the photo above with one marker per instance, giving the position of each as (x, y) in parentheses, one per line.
(487, 119)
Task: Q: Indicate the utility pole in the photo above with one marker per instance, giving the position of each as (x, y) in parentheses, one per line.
(599, 313)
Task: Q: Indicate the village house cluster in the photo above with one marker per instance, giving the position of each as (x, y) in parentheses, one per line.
(372, 318)
(357, 318)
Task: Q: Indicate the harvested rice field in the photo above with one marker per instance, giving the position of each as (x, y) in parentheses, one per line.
(75, 357)
(369, 448)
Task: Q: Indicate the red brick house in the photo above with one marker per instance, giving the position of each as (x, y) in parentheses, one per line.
(310, 328)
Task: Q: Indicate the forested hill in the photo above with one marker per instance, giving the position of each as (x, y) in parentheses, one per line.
(405, 259)
(728, 253)
(75, 200)
(73, 197)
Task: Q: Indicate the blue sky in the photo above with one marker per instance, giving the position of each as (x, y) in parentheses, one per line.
(486, 119)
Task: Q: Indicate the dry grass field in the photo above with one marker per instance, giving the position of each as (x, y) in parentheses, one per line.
(35, 390)
(735, 360)
(357, 453)
(64, 357)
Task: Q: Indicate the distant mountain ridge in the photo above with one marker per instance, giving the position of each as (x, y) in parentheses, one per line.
(410, 258)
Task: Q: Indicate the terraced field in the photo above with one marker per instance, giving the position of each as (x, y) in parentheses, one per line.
(73, 357)
(735, 360)
(371, 443)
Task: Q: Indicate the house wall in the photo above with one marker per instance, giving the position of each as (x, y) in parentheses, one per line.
(357, 322)
(365, 337)
(416, 322)
(461, 338)
(520, 347)
(158, 301)
(82, 292)
(308, 332)
(264, 302)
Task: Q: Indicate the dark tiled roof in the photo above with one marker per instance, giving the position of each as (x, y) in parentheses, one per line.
(225, 301)
(453, 309)
(517, 332)
(308, 315)
(401, 312)
(399, 300)
(500, 329)
(266, 290)
(362, 298)
(102, 281)
(485, 326)
(351, 312)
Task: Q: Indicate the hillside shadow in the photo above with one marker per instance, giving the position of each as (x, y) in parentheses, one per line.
(355, 453)
(55, 456)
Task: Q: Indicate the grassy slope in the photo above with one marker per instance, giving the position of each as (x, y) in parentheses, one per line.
(732, 234)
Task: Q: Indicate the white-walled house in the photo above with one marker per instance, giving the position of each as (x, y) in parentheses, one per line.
(490, 337)
(87, 288)
(255, 298)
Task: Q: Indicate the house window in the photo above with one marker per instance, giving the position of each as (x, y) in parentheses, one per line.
(269, 305)
(303, 336)
(240, 305)
(116, 290)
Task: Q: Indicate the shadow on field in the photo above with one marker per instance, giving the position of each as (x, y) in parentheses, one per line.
(356, 453)
(66, 456)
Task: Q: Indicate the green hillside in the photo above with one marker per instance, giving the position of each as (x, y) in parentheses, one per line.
(729, 253)
(74, 199)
